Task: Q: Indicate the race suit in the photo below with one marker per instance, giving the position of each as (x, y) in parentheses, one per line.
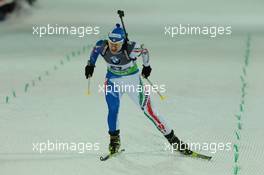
(122, 71)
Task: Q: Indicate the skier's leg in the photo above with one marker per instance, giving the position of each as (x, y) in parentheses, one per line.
(113, 102)
(149, 111)
(143, 100)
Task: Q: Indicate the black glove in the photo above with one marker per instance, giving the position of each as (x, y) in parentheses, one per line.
(146, 71)
(89, 69)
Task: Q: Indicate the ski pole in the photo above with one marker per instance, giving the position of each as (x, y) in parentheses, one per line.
(88, 86)
(161, 96)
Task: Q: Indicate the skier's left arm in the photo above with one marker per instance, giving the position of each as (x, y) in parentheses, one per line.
(140, 50)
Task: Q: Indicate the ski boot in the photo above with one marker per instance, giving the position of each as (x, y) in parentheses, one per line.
(114, 142)
(177, 144)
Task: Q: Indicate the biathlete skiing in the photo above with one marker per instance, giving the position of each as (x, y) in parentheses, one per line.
(121, 57)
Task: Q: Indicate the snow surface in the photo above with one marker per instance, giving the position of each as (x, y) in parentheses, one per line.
(202, 77)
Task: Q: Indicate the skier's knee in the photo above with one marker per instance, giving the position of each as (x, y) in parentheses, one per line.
(113, 109)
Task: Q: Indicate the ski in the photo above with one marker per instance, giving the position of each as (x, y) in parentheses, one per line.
(201, 156)
(104, 158)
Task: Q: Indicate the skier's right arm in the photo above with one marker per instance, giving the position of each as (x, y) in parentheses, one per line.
(97, 49)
